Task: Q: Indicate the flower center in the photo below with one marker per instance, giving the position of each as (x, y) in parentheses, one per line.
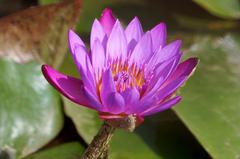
(123, 80)
(126, 76)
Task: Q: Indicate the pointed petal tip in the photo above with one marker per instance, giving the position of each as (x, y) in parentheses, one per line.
(74, 40)
(159, 36)
(194, 60)
(174, 46)
(43, 67)
(70, 31)
(95, 21)
(178, 42)
(107, 20)
(161, 25)
(49, 74)
(107, 11)
(178, 98)
(45, 71)
(117, 42)
(136, 19)
(71, 34)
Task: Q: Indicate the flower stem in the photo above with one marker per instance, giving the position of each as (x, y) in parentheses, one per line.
(104, 154)
(100, 143)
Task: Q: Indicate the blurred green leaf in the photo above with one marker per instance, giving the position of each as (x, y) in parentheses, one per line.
(71, 150)
(30, 110)
(38, 32)
(211, 103)
(86, 120)
(229, 9)
(44, 2)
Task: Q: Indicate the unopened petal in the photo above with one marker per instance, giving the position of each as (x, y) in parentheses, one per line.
(107, 20)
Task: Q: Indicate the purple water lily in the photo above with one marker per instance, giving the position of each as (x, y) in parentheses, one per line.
(126, 71)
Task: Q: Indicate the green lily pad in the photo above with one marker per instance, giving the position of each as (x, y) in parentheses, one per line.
(223, 8)
(211, 103)
(30, 109)
(71, 150)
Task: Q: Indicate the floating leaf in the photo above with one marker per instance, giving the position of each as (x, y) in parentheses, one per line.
(38, 32)
(30, 110)
(211, 103)
(71, 150)
(229, 9)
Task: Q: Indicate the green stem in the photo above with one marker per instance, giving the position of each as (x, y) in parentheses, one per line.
(100, 143)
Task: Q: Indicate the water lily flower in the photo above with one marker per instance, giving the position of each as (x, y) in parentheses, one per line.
(126, 71)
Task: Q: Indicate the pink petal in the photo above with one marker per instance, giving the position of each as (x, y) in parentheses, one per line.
(97, 32)
(84, 66)
(161, 74)
(74, 40)
(165, 53)
(177, 79)
(143, 50)
(170, 88)
(81, 59)
(159, 36)
(133, 33)
(131, 97)
(115, 103)
(71, 88)
(162, 106)
(107, 20)
(107, 87)
(185, 69)
(117, 43)
(98, 56)
(143, 105)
